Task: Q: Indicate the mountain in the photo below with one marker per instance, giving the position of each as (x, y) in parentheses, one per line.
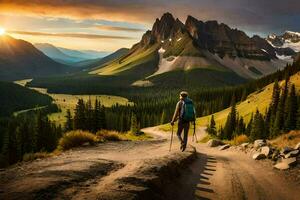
(56, 54)
(286, 44)
(20, 59)
(202, 51)
(84, 54)
(68, 56)
(101, 61)
(15, 98)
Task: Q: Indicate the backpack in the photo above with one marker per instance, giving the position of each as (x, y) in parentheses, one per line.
(188, 113)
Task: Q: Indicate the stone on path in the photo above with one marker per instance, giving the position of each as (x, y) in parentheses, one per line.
(259, 143)
(214, 143)
(266, 151)
(258, 156)
(292, 154)
(226, 146)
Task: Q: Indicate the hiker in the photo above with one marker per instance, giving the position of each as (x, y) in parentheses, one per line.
(185, 113)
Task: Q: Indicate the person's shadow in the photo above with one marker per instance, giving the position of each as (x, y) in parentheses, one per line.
(194, 182)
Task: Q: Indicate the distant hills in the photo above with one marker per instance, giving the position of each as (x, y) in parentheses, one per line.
(69, 56)
(15, 98)
(20, 59)
(196, 50)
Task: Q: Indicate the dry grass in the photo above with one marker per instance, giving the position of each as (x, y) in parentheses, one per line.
(33, 156)
(290, 139)
(106, 135)
(76, 138)
(240, 139)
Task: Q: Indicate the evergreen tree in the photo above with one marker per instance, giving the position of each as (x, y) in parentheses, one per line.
(163, 117)
(89, 116)
(69, 122)
(211, 129)
(249, 126)
(291, 110)
(257, 128)
(134, 124)
(231, 121)
(80, 116)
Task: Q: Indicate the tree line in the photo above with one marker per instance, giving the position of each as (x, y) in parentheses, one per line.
(281, 116)
(27, 134)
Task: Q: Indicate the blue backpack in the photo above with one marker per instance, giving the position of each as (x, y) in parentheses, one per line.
(188, 113)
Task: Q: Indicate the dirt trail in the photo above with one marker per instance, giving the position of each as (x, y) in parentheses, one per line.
(91, 172)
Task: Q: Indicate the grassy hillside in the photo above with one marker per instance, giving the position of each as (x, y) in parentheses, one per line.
(131, 60)
(259, 100)
(14, 97)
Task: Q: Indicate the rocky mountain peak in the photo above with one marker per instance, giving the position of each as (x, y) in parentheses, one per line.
(165, 27)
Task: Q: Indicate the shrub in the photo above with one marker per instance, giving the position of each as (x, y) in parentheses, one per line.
(240, 139)
(75, 139)
(34, 156)
(108, 135)
(290, 139)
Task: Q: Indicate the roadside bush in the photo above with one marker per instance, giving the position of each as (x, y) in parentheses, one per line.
(108, 135)
(290, 139)
(240, 139)
(34, 156)
(76, 138)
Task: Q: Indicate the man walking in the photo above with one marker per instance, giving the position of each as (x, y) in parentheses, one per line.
(185, 113)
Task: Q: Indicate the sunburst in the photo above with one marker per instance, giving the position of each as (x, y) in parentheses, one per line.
(2, 31)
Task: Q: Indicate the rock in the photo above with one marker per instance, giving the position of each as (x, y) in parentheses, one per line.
(286, 150)
(282, 166)
(214, 143)
(292, 154)
(258, 156)
(226, 146)
(275, 155)
(286, 163)
(297, 146)
(259, 143)
(245, 145)
(266, 151)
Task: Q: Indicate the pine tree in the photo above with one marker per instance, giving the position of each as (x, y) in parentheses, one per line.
(211, 129)
(80, 116)
(291, 110)
(89, 115)
(257, 128)
(69, 122)
(231, 121)
(249, 126)
(163, 117)
(134, 124)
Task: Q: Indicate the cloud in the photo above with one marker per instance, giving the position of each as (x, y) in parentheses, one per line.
(264, 15)
(73, 35)
(118, 28)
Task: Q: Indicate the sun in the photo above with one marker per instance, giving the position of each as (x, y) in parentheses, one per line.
(2, 31)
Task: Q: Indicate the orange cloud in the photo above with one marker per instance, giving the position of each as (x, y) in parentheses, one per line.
(118, 28)
(74, 35)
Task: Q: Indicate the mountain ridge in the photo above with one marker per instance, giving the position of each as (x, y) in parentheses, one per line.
(219, 46)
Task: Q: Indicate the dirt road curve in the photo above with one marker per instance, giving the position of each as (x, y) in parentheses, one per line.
(87, 173)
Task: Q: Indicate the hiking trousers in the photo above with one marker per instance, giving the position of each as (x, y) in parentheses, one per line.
(183, 126)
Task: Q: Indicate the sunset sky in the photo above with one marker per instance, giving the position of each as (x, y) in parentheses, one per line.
(109, 25)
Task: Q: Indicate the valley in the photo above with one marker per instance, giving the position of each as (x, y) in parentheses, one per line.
(68, 102)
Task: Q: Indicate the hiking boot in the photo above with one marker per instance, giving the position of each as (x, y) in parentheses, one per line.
(183, 148)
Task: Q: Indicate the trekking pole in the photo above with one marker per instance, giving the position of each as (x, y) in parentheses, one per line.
(171, 138)
(195, 133)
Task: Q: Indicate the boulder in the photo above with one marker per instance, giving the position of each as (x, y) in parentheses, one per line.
(245, 145)
(214, 143)
(286, 163)
(286, 150)
(259, 143)
(282, 166)
(297, 146)
(292, 154)
(226, 146)
(266, 151)
(258, 156)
